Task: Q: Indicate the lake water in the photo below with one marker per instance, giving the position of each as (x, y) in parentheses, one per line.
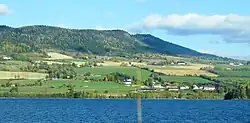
(122, 111)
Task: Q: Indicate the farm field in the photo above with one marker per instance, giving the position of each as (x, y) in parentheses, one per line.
(112, 63)
(228, 73)
(193, 66)
(13, 65)
(192, 69)
(225, 66)
(20, 82)
(59, 86)
(140, 74)
(55, 56)
(184, 72)
(24, 75)
(241, 80)
(186, 79)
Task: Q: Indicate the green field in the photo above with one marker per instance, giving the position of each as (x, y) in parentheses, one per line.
(20, 82)
(24, 75)
(224, 66)
(59, 86)
(140, 74)
(241, 80)
(13, 65)
(186, 79)
(228, 73)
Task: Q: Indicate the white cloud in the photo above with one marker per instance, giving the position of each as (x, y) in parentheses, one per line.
(231, 28)
(4, 9)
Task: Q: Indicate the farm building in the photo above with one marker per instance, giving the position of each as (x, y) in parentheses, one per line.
(7, 58)
(184, 87)
(147, 89)
(209, 88)
(158, 86)
(182, 63)
(173, 88)
(127, 81)
(195, 87)
(236, 64)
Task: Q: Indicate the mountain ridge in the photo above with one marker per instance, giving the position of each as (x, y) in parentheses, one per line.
(92, 41)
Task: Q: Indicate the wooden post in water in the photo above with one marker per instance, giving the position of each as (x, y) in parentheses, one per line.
(139, 112)
(139, 108)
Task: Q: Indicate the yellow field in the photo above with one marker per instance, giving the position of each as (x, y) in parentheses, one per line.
(185, 72)
(175, 58)
(54, 62)
(193, 69)
(192, 66)
(111, 63)
(24, 75)
(55, 56)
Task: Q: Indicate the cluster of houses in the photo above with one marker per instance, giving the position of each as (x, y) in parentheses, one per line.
(128, 82)
(235, 64)
(6, 58)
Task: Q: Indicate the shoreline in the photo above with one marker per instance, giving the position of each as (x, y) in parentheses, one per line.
(102, 98)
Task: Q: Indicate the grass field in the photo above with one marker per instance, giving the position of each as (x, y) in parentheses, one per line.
(186, 79)
(224, 66)
(13, 65)
(24, 75)
(21, 82)
(56, 86)
(192, 66)
(92, 86)
(112, 63)
(228, 73)
(140, 74)
(242, 80)
(192, 69)
(185, 72)
(55, 56)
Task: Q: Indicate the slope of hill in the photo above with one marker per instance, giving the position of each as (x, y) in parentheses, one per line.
(92, 41)
(164, 46)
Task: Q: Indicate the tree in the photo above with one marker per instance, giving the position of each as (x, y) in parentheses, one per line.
(71, 89)
(149, 82)
(248, 91)
(236, 93)
(248, 62)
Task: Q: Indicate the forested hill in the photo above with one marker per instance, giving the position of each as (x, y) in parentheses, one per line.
(88, 40)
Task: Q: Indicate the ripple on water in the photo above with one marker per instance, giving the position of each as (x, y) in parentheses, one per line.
(122, 111)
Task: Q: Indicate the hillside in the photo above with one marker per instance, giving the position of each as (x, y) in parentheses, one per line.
(90, 41)
(163, 46)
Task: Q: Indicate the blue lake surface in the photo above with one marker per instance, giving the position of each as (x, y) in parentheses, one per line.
(122, 111)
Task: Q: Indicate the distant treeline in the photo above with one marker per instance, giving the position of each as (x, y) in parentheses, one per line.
(131, 95)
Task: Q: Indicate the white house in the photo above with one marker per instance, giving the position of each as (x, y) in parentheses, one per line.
(158, 86)
(173, 89)
(241, 64)
(209, 88)
(184, 87)
(231, 64)
(181, 63)
(195, 87)
(7, 58)
(127, 81)
(201, 87)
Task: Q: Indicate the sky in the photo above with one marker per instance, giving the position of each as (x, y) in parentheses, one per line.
(220, 27)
